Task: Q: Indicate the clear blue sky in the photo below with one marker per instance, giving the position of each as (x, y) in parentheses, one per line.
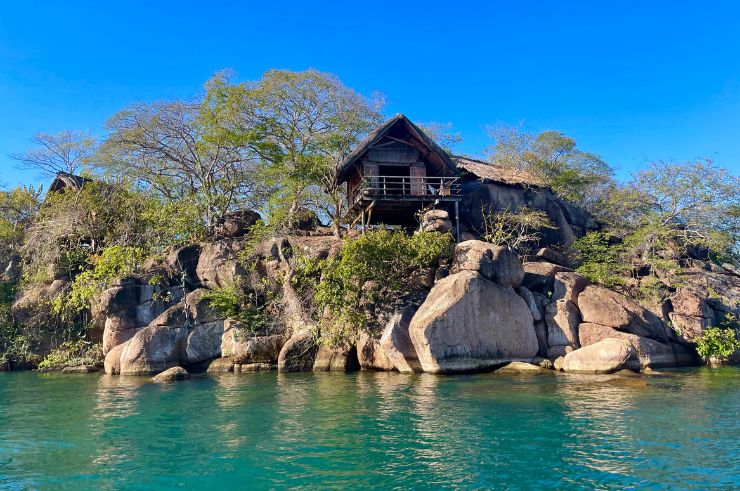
(631, 81)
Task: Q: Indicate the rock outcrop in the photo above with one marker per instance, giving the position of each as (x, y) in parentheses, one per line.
(371, 355)
(436, 221)
(299, 353)
(396, 342)
(152, 350)
(171, 375)
(336, 359)
(492, 262)
(469, 323)
(607, 356)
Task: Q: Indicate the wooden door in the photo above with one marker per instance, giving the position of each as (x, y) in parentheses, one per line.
(418, 181)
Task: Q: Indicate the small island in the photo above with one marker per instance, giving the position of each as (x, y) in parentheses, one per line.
(279, 225)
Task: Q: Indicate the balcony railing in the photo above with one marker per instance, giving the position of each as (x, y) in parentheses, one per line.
(390, 187)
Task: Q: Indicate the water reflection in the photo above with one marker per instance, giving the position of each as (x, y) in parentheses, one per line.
(370, 430)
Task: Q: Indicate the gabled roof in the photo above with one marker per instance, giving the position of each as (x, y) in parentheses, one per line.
(430, 151)
(64, 180)
(496, 173)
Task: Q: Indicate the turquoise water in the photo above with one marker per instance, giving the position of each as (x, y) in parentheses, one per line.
(371, 430)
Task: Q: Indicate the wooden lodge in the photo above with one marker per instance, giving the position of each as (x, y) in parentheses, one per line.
(396, 172)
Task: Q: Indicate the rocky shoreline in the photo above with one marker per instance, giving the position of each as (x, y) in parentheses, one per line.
(481, 311)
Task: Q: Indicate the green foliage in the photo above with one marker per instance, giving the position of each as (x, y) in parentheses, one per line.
(18, 208)
(602, 260)
(73, 353)
(300, 125)
(717, 343)
(113, 263)
(519, 230)
(254, 312)
(170, 223)
(553, 159)
(14, 347)
(372, 268)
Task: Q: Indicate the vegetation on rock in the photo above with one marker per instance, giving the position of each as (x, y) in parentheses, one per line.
(169, 175)
(375, 268)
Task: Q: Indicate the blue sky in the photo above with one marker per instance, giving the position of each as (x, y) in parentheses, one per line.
(631, 81)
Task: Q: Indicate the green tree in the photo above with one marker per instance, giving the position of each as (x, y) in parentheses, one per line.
(18, 208)
(302, 125)
(663, 214)
(697, 200)
(168, 148)
(553, 159)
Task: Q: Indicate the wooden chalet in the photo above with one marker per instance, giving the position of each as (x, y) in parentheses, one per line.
(398, 171)
(64, 180)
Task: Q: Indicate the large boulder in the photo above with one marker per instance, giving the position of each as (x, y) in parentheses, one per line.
(492, 262)
(125, 308)
(562, 318)
(470, 323)
(371, 355)
(607, 356)
(540, 329)
(493, 193)
(118, 330)
(553, 256)
(305, 219)
(599, 305)
(153, 349)
(299, 353)
(238, 344)
(396, 342)
(218, 266)
(567, 286)
(221, 365)
(237, 223)
(112, 362)
(540, 276)
(336, 359)
(171, 375)
(649, 353)
(194, 309)
(535, 307)
(181, 264)
(436, 221)
(688, 328)
(204, 342)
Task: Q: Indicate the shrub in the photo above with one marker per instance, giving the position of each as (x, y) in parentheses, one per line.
(73, 353)
(113, 263)
(602, 261)
(15, 348)
(372, 268)
(519, 230)
(717, 343)
(258, 314)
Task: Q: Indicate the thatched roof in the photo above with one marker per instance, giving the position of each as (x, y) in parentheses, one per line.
(496, 173)
(400, 127)
(63, 180)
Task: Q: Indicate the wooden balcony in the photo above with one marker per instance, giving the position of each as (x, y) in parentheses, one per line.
(406, 188)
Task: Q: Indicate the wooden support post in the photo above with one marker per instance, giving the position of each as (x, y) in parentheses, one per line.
(363, 221)
(457, 222)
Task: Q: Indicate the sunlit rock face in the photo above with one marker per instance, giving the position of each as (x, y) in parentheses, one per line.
(469, 323)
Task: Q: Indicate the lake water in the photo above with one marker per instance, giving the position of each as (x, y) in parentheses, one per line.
(371, 430)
